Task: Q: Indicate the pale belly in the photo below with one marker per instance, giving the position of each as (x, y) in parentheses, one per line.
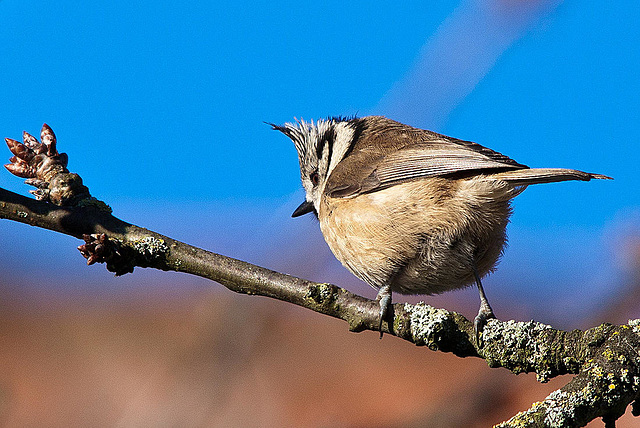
(421, 237)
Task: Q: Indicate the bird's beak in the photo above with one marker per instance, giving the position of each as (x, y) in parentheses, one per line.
(304, 208)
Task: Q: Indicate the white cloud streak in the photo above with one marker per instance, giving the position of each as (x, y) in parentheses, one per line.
(457, 56)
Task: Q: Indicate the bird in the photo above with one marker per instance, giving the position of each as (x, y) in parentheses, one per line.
(408, 210)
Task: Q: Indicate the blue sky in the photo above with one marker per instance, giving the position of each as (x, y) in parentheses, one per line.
(160, 106)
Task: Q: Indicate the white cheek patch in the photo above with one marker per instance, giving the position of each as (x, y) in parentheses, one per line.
(343, 137)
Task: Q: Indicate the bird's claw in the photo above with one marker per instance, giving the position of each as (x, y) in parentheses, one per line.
(384, 300)
(480, 322)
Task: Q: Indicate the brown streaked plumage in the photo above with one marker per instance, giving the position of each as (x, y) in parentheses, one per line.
(410, 210)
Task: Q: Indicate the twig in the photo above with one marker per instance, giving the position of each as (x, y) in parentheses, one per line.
(605, 359)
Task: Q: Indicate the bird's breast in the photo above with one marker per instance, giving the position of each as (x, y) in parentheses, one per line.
(420, 236)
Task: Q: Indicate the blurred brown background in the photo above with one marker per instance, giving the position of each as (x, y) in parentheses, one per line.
(205, 357)
(160, 106)
(158, 349)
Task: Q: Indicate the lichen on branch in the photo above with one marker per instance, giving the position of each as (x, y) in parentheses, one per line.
(605, 359)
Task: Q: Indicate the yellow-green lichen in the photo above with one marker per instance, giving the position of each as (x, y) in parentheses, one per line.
(150, 247)
(608, 354)
(557, 414)
(428, 323)
(598, 335)
(96, 203)
(635, 325)
(520, 348)
(322, 294)
(596, 371)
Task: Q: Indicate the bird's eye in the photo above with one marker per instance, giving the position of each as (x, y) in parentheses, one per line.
(315, 178)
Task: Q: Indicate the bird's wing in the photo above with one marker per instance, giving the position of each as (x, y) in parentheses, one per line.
(427, 157)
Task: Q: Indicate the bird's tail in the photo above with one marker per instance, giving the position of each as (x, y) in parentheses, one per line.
(523, 177)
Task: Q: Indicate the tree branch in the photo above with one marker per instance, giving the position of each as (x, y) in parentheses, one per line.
(605, 359)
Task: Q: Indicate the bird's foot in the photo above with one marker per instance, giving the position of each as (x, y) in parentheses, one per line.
(384, 300)
(484, 314)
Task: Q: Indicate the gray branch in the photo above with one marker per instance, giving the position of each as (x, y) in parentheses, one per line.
(605, 359)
